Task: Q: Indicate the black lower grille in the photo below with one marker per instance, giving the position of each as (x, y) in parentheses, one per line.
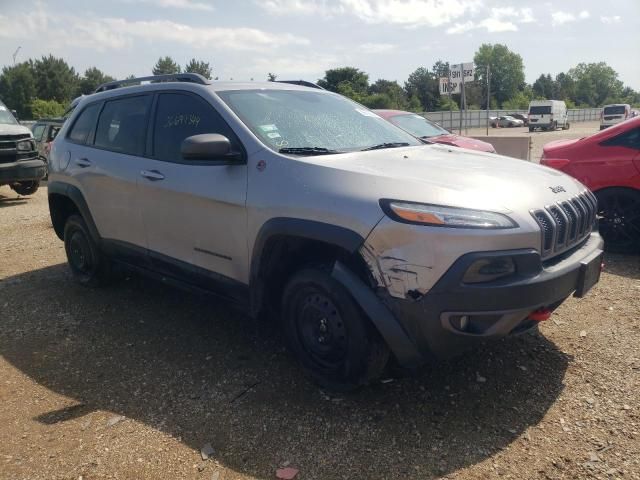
(566, 223)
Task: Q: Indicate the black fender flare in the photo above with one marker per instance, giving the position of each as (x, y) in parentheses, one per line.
(74, 194)
(294, 227)
(389, 328)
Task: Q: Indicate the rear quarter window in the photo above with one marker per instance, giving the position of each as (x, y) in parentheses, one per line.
(84, 124)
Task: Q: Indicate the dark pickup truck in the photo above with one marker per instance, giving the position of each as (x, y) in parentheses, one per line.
(20, 167)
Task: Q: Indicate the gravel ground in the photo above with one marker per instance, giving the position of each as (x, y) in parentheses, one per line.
(132, 381)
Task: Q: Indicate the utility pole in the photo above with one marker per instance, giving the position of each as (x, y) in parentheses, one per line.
(450, 104)
(488, 95)
(461, 96)
(15, 54)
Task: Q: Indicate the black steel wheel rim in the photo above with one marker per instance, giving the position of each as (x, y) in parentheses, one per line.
(321, 329)
(80, 253)
(620, 219)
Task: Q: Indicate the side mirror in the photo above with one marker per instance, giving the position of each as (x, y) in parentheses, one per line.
(15, 114)
(208, 146)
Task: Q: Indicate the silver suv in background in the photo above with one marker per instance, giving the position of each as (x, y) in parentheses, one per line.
(292, 200)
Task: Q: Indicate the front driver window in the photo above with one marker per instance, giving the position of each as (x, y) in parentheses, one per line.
(179, 116)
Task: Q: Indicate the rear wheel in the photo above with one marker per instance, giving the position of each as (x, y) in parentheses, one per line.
(329, 334)
(531, 129)
(619, 212)
(90, 267)
(566, 126)
(26, 188)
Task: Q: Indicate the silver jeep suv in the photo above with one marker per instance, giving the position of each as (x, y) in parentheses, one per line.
(367, 243)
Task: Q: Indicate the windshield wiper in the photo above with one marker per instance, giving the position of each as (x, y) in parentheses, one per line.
(308, 151)
(386, 145)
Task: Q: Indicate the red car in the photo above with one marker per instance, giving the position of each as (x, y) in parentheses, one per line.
(608, 162)
(424, 129)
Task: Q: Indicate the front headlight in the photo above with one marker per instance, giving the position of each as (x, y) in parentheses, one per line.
(440, 216)
(25, 145)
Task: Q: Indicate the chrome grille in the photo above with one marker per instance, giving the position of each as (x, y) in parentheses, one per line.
(565, 224)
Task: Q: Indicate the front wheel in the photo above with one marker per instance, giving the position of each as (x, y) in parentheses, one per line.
(329, 334)
(26, 188)
(619, 212)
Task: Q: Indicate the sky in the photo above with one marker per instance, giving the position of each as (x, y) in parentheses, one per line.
(297, 39)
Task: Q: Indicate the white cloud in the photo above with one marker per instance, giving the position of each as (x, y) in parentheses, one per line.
(290, 65)
(500, 19)
(183, 4)
(375, 48)
(461, 27)
(610, 20)
(115, 33)
(496, 25)
(410, 13)
(560, 18)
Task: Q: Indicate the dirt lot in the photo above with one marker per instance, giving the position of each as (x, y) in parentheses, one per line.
(576, 130)
(132, 381)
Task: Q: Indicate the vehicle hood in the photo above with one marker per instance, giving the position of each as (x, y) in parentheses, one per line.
(447, 176)
(462, 142)
(7, 129)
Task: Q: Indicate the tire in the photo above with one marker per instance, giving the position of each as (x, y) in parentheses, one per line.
(619, 212)
(89, 266)
(26, 188)
(566, 126)
(329, 334)
(531, 129)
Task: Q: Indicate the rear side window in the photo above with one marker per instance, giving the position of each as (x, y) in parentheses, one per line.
(84, 124)
(179, 116)
(629, 139)
(122, 126)
(38, 130)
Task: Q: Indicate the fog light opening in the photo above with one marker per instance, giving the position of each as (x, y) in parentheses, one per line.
(460, 322)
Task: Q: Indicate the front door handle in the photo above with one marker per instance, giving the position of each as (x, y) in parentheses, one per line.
(83, 162)
(153, 175)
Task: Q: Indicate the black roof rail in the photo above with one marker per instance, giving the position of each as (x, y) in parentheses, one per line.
(174, 77)
(302, 83)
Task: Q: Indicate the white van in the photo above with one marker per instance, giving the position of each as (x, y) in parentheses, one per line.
(615, 113)
(548, 115)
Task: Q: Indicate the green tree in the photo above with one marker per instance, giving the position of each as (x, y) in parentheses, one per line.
(46, 108)
(165, 66)
(594, 83)
(92, 79)
(358, 81)
(545, 87)
(55, 79)
(520, 101)
(507, 70)
(447, 103)
(566, 87)
(271, 77)
(423, 85)
(346, 88)
(440, 69)
(18, 88)
(392, 94)
(198, 66)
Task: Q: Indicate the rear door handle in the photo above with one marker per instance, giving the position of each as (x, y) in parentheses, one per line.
(83, 162)
(153, 175)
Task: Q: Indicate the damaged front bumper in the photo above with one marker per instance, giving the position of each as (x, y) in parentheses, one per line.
(435, 313)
